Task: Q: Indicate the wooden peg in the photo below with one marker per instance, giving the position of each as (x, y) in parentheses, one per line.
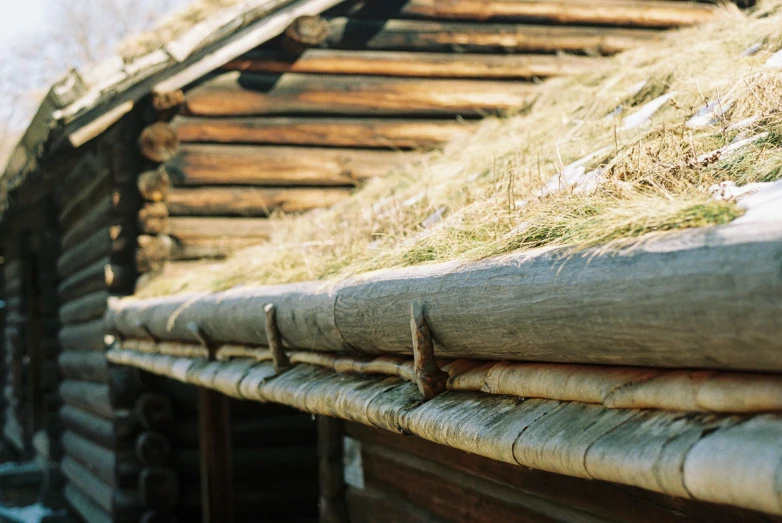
(204, 339)
(431, 380)
(274, 340)
(143, 326)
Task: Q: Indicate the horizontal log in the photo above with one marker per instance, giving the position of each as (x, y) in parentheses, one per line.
(101, 215)
(85, 507)
(663, 304)
(116, 433)
(120, 503)
(115, 240)
(85, 308)
(115, 469)
(205, 248)
(87, 199)
(385, 133)
(250, 201)
(255, 94)
(417, 64)
(158, 488)
(269, 431)
(83, 336)
(153, 185)
(100, 275)
(197, 228)
(482, 37)
(84, 365)
(273, 165)
(153, 449)
(629, 13)
(153, 217)
(85, 395)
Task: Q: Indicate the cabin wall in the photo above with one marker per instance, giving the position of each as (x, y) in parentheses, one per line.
(393, 478)
(345, 97)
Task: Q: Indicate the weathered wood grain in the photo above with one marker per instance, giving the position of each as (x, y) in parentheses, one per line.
(84, 365)
(272, 165)
(85, 308)
(384, 133)
(480, 37)
(92, 397)
(250, 201)
(115, 433)
(115, 469)
(256, 94)
(87, 336)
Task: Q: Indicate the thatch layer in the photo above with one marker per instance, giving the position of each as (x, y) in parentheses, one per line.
(692, 456)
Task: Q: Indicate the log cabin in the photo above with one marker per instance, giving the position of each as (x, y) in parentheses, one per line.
(279, 404)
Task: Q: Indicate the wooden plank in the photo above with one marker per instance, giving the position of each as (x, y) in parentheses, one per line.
(216, 462)
(250, 201)
(255, 94)
(629, 13)
(388, 133)
(330, 463)
(481, 37)
(197, 165)
(417, 64)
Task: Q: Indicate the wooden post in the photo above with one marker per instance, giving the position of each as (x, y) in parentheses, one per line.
(216, 457)
(332, 487)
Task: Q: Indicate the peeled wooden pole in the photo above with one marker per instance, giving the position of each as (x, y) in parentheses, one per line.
(628, 13)
(481, 37)
(386, 133)
(416, 64)
(84, 365)
(92, 397)
(98, 216)
(248, 94)
(186, 228)
(85, 308)
(271, 165)
(120, 503)
(250, 201)
(210, 247)
(632, 308)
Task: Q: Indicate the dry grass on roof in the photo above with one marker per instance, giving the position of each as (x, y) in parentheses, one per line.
(656, 177)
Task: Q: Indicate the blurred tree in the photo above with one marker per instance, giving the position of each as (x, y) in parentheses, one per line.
(76, 33)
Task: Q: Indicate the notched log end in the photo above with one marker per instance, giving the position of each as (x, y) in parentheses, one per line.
(158, 142)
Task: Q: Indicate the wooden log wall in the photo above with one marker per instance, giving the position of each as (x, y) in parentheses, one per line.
(271, 438)
(296, 123)
(106, 410)
(389, 478)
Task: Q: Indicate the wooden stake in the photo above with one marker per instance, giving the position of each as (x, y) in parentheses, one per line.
(217, 497)
(274, 339)
(430, 379)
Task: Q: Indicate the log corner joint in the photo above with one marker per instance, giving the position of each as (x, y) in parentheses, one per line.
(274, 340)
(431, 380)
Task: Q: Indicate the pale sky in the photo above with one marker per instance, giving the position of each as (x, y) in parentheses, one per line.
(18, 17)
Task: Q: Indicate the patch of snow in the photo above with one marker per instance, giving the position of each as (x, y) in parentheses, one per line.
(732, 147)
(644, 114)
(751, 50)
(709, 114)
(775, 60)
(28, 514)
(763, 205)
